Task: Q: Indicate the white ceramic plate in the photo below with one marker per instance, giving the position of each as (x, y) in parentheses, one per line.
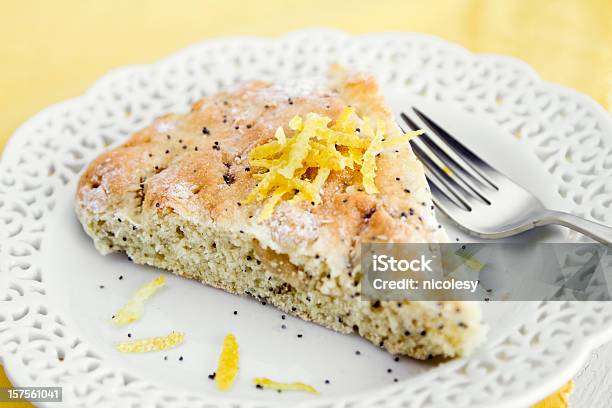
(54, 316)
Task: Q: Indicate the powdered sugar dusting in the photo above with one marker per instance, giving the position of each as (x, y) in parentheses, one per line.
(301, 87)
(93, 199)
(165, 127)
(96, 199)
(291, 224)
(179, 190)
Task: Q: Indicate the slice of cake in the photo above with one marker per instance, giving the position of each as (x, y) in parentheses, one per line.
(269, 190)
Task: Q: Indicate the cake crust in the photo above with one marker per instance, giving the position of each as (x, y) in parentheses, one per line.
(173, 196)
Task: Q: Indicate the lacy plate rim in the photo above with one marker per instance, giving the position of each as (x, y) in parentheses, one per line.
(582, 348)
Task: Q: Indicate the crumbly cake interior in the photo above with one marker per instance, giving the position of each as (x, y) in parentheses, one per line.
(237, 263)
(171, 197)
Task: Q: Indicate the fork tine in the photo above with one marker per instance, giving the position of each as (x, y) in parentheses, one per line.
(452, 160)
(446, 184)
(444, 163)
(454, 171)
(462, 153)
(450, 170)
(441, 200)
(442, 197)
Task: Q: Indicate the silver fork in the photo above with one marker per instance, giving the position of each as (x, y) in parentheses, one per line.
(480, 199)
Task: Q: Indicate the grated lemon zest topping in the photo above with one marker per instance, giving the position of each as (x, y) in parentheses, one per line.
(274, 385)
(296, 168)
(228, 363)
(368, 167)
(151, 343)
(474, 264)
(296, 123)
(134, 308)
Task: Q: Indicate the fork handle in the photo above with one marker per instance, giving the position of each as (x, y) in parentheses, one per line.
(594, 230)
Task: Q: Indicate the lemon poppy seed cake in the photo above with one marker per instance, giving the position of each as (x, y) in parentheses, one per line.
(269, 190)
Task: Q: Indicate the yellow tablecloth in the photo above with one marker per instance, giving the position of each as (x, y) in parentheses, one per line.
(52, 50)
